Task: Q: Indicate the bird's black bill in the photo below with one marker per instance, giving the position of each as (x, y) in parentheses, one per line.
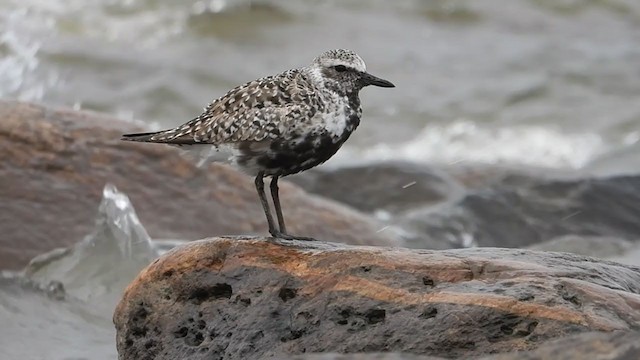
(376, 81)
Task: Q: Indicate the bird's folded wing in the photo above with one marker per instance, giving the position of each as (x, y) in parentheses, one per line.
(256, 111)
(251, 124)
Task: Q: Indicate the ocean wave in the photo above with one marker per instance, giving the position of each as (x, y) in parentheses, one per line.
(21, 76)
(467, 141)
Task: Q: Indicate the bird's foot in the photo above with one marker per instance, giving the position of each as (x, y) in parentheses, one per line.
(283, 236)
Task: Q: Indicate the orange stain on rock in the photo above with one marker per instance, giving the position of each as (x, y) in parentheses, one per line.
(328, 269)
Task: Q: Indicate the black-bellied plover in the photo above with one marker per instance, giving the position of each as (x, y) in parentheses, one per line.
(278, 125)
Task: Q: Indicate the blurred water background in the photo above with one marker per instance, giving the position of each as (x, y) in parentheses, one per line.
(545, 84)
(550, 83)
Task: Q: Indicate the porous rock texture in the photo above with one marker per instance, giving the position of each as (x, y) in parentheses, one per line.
(54, 164)
(232, 298)
(617, 345)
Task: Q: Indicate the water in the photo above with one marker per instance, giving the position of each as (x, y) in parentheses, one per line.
(61, 306)
(542, 83)
(527, 82)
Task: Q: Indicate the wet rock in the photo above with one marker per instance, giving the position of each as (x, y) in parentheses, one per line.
(393, 187)
(251, 299)
(54, 164)
(521, 211)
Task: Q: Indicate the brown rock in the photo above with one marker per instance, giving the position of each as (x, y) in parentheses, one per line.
(54, 164)
(251, 299)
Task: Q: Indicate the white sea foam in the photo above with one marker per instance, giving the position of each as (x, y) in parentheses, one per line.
(466, 141)
(20, 73)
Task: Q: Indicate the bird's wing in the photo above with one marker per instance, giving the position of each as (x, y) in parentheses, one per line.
(255, 111)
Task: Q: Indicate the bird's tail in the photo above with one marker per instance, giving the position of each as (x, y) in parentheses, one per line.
(142, 137)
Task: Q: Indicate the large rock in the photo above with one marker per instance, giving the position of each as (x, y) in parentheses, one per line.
(54, 164)
(252, 299)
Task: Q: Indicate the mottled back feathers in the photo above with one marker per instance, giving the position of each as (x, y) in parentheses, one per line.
(258, 110)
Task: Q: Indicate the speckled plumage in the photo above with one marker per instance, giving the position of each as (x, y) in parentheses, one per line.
(279, 125)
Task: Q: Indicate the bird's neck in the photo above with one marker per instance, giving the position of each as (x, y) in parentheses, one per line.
(314, 74)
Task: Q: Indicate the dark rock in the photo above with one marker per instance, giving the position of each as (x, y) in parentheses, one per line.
(594, 345)
(345, 299)
(393, 187)
(55, 163)
(521, 211)
(483, 176)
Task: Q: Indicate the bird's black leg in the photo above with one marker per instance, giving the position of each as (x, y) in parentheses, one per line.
(276, 204)
(265, 203)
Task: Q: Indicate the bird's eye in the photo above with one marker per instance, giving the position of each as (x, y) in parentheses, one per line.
(340, 68)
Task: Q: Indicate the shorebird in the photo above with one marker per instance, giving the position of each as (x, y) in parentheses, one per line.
(278, 125)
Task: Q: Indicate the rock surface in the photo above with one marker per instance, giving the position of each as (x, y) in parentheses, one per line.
(594, 345)
(254, 299)
(54, 164)
(611, 346)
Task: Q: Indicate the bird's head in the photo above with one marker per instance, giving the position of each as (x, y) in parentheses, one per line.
(344, 71)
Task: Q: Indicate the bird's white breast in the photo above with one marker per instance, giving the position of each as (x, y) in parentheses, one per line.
(335, 119)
